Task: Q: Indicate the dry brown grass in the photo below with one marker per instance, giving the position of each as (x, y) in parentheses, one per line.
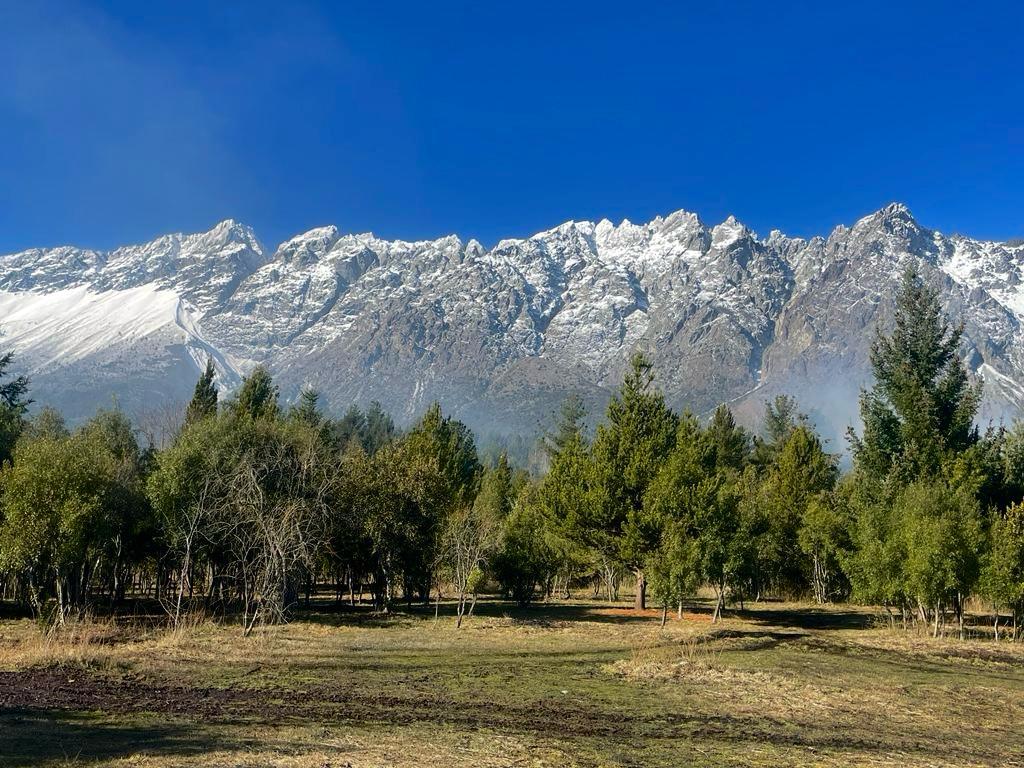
(78, 642)
(578, 684)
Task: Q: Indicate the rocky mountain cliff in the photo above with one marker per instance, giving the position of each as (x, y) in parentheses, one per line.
(500, 335)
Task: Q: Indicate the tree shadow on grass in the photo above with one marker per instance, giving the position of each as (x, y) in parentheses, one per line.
(538, 614)
(41, 738)
(548, 612)
(809, 618)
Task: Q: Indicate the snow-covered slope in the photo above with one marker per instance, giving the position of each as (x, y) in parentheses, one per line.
(85, 348)
(500, 335)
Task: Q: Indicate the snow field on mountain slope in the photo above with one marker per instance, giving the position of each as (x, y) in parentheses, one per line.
(62, 327)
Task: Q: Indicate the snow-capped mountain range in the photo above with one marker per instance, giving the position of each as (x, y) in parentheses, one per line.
(500, 335)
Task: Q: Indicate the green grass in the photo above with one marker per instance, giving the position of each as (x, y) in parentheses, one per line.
(561, 684)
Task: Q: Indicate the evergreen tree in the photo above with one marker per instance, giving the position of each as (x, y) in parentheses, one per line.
(731, 442)
(443, 450)
(628, 452)
(204, 399)
(348, 430)
(258, 395)
(916, 465)
(525, 557)
(449, 442)
(922, 405)
(676, 506)
(563, 495)
(1011, 458)
(496, 486)
(568, 427)
(781, 417)
(13, 405)
(793, 489)
(307, 410)
(379, 430)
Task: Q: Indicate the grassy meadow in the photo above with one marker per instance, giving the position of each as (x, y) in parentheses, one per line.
(567, 683)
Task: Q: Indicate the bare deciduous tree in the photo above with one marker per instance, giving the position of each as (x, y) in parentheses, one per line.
(469, 537)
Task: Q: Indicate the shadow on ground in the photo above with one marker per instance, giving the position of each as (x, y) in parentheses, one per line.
(33, 738)
(539, 614)
(809, 618)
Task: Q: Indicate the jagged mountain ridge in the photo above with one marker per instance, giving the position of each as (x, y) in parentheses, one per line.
(500, 335)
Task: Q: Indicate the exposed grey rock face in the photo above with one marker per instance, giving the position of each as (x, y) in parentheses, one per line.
(500, 335)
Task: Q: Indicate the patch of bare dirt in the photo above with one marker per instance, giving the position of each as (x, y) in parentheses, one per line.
(52, 689)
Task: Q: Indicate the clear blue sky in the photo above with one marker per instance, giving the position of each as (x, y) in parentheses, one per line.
(123, 120)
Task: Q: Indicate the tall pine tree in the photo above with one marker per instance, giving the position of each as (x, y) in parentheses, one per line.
(628, 451)
(922, 406)
(568, 427)
(258, 396)
(204, 399)
(913, 506)
(307, 410)
(13, 405)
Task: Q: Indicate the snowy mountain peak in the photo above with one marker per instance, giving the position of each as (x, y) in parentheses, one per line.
(679, 219)
(729, 232)
(895, 217)
(500, 334)
(308, 247)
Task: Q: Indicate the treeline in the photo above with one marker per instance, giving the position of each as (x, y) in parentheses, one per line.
(253, 506)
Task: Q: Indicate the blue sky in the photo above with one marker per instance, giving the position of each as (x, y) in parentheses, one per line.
(122, 121)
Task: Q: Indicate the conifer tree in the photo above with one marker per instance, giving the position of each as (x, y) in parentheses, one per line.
(258, 395)
(731, 442)
(794, 496)
(628, 452)
(348, 430)
(677, 504)
(568, 428)
(564, 493)
(914, 494)
(307, 410)
(922, 405)
(13, 405)
(204, 399)
(781, 416)
(379, 429)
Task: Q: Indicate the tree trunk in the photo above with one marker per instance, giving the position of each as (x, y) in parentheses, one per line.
(960, 614)
(819, 589)
(186, 566)
(640, 600)
(461, 609)
(680, 609)
(719, 605)
(664, 613)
